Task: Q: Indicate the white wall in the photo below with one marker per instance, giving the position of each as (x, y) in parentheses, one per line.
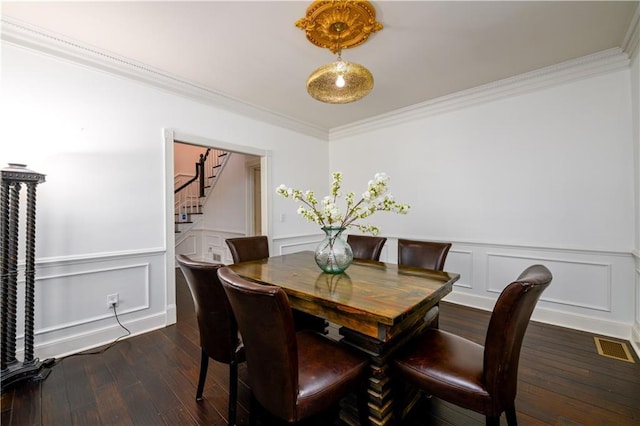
(635, 94)
(541, 177)
(185, 157)
(227, 204)
(101, 215)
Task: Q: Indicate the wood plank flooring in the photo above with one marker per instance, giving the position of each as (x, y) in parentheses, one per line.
(151, 380)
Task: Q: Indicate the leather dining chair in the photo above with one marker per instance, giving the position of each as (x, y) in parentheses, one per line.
(292, 375)
(219, 337)
(426, 255)
(423, 254)
(479, 378)
(366, 247)
(246, 249)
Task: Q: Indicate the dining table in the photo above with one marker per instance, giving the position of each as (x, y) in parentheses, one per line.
(376, 306)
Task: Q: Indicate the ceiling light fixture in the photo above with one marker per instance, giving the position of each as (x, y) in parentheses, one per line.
(338, 25)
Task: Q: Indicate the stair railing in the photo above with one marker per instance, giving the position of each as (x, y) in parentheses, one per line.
(189, 195)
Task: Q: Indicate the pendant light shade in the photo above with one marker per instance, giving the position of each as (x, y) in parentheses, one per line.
(340, 82)
(337, 25)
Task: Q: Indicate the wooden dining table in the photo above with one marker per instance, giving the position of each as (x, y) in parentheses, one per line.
(377, 306)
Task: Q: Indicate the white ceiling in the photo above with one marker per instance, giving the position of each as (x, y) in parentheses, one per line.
(252, 51)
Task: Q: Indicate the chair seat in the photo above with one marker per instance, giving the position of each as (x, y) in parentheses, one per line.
(446, 365)
(480, 378)
(219, 335)
(292, 375)
(319, 385)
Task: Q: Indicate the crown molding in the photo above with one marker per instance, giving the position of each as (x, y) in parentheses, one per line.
(586, 66)
(632, 38)
(34, 38)
(28, 36)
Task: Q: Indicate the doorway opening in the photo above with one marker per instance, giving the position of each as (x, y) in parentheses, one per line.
(248, 176)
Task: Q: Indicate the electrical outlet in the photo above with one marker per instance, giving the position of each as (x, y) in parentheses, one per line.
(217, 257)
(112, 299)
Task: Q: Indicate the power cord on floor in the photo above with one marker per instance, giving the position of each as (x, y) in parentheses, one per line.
(103, 350)
(49, 363)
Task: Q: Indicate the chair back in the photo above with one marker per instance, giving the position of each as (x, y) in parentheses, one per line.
(245, 249)
(266, 323)
(423, 254)
(216, 323)
(366, 247)
(507, 326)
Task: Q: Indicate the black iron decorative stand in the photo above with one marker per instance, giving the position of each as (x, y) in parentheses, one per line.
(30, 368)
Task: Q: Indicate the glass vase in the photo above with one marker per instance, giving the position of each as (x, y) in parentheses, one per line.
(334, 254)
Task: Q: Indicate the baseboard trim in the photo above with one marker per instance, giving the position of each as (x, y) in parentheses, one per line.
(549, 316)
(635, 338)
(171, 315)
(71, 344)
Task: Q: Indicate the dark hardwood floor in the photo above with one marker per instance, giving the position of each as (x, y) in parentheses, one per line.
(151, 380)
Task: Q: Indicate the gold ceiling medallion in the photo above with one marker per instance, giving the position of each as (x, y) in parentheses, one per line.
(337, 25)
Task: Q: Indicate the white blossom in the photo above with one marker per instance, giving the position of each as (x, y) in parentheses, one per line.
(375, 198)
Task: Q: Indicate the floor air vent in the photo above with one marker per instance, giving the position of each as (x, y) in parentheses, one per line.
(613, 349)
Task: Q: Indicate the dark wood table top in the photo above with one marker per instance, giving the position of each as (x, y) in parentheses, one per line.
(376, 299)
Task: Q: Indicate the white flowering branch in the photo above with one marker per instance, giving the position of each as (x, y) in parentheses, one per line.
(327, 213)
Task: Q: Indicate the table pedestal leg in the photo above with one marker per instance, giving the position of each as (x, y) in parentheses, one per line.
(382, 397)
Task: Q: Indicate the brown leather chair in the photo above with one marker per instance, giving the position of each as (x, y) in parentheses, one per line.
(246, 249)
(426, 255)
(292, 375)
(219, 337)
(480, 378)
(366, 247)
(423, 254)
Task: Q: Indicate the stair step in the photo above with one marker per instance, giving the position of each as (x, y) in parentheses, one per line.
(190, 210)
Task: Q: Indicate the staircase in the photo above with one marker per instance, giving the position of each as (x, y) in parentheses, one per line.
(190, 195)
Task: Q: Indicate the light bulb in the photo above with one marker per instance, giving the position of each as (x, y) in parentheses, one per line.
(340, 81)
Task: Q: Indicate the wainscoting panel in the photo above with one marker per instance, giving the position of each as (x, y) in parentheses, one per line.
(592, 290)
(461, 262)
(302, 245)
(592, 279)
(71, 309)
(189, 245)
(215, 248)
